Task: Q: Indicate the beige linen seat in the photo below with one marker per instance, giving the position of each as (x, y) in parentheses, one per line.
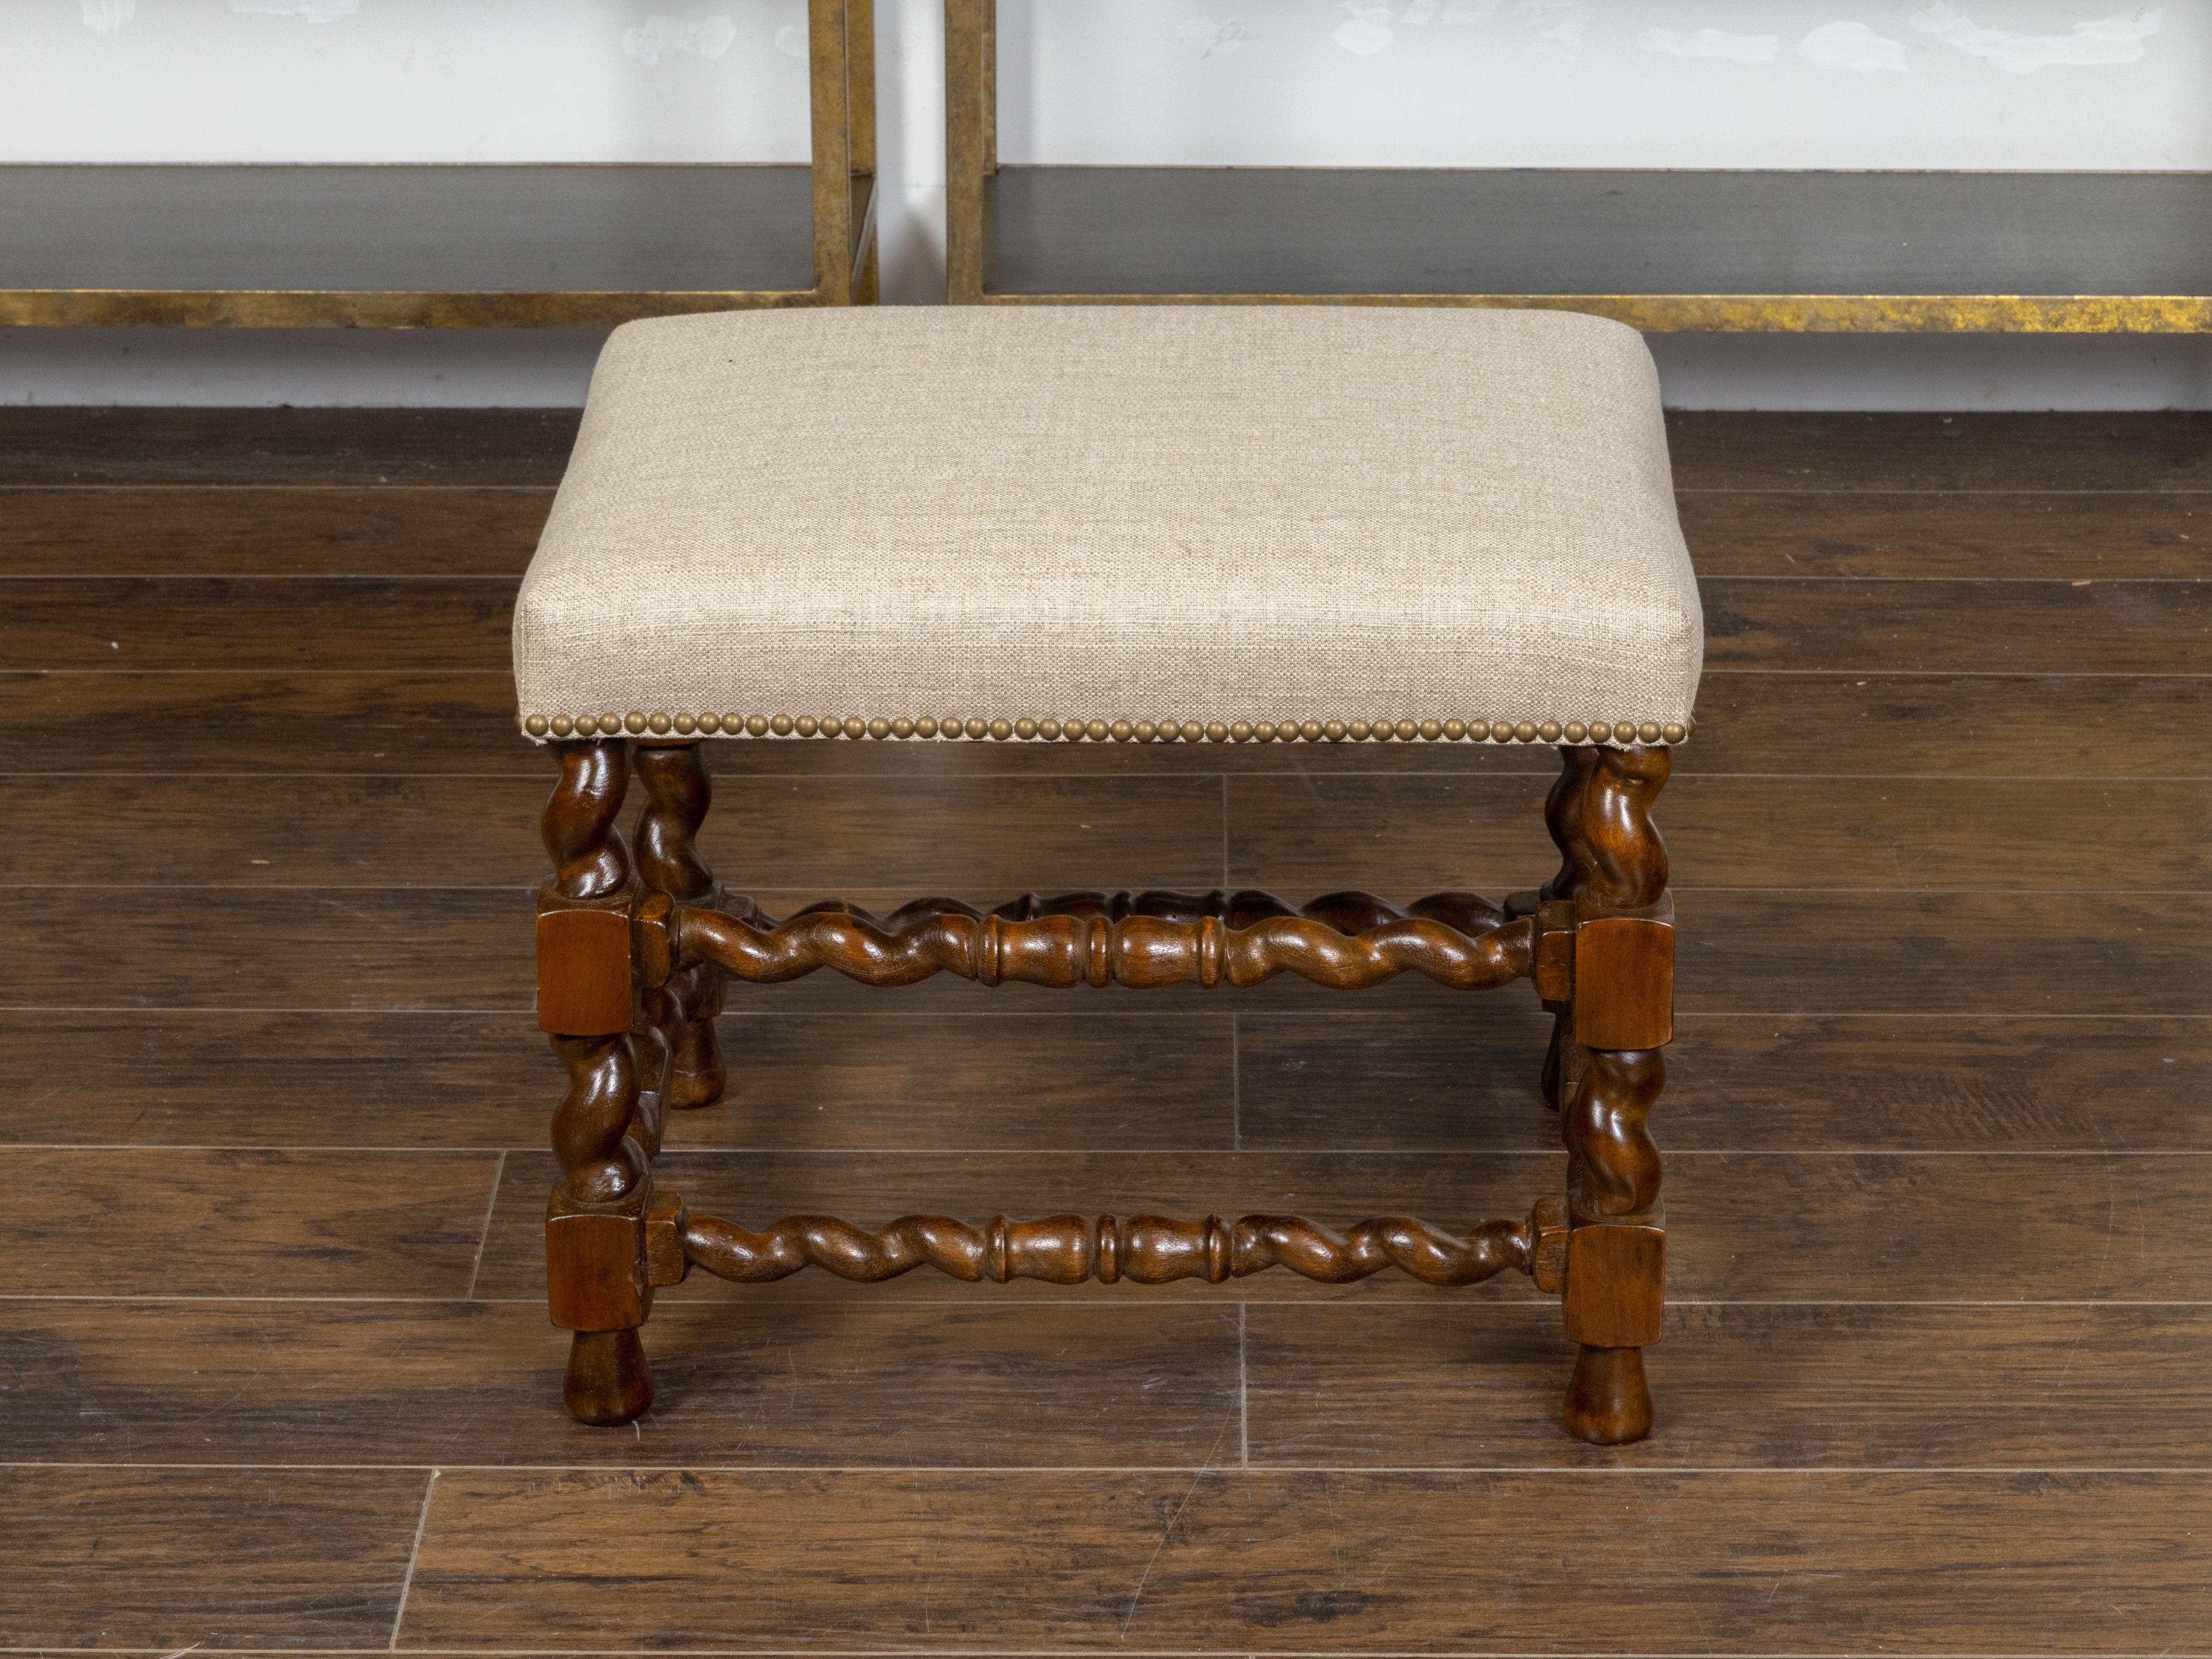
(1143, 521)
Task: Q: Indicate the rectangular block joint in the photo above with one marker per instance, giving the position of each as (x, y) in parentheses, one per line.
(584, 974)
(597, 1274)
(1554, 967)
(1616, 1284)
(1624, 984)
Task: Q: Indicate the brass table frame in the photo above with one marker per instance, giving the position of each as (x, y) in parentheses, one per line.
(842, 73)
(971, 160)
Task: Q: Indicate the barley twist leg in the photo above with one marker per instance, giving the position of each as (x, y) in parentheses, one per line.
(603, 1140)
(1615, 1271)
(1563, 816)
(679, 793)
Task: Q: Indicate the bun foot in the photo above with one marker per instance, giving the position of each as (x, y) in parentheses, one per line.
(1608, 1403)
(698, 1076)
(607, 1383)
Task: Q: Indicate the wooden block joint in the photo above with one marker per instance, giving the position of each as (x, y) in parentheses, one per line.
(584, 976)
(664, 1260)
(1616, 1284)
(653, 940)
(597, 1269)
(1547, 1259)
(1624, 982)
(1554, 967)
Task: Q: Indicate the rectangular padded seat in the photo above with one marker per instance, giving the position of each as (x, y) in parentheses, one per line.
(1061, 521)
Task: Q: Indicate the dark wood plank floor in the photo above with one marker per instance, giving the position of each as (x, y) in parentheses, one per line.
(275, 1371)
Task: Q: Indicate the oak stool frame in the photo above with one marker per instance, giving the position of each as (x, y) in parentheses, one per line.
(636, 940)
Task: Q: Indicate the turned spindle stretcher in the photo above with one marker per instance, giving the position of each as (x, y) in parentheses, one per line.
(634, 952)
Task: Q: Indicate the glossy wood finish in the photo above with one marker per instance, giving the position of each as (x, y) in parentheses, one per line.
(605, 1130)
(1346, 941)
(611, 1241)
(679, 795)
(1987, 1056)
(1144, 1250)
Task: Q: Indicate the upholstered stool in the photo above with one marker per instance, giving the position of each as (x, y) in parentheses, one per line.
(1180, 526)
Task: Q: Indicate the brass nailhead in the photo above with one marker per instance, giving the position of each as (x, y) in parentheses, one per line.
(660, 724)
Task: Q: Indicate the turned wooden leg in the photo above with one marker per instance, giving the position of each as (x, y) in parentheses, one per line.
(602, 1132)
(679, 795)
(1563, 816)
(1622, 1015)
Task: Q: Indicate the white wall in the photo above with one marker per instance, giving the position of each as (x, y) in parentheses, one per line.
(1966, 83)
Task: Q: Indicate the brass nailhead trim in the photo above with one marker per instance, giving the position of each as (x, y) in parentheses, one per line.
(637, 722)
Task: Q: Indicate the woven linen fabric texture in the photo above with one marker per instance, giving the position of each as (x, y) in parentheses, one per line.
(1162, 512)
